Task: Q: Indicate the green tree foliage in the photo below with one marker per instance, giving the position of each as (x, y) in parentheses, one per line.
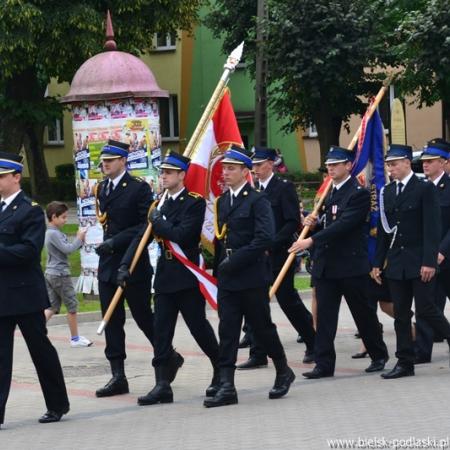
(420, 47)
(318, 52)
(44, 39)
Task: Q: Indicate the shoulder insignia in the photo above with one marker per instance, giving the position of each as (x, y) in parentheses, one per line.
(195, 195)
(139, 179)
(34, 203)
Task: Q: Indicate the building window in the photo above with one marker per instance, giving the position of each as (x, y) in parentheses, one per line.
(311, 131)
(163, 42)
(55, 133)
(168, 116)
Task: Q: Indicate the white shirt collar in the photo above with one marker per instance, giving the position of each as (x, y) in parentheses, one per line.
(406, 179)
(238, 190)
(116, 180)
(438, 179)
(10, 199)
(175, 196)
(266, 182)
(338, 186)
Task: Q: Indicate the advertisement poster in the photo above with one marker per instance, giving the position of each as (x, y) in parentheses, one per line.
(134, 121)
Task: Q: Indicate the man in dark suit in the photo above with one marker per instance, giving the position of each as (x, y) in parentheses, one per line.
(23, 295)
(179, 221)
(123, 202)
(434, 159)
(244, 228)
(286, 211)
(341, 266)
(408, 238)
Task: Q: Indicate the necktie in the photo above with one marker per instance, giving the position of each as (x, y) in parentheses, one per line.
(2, 205)
(333, 192)
(232, 198)
(261, 187)
(109, 187)
(399, 188)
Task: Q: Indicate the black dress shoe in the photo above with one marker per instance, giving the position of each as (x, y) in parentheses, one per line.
(359, 355)
(252, 363)
(161, 393)
(226, 395)
(245, 341)
(309, 357)
(53, 416)
(115, 386)
(317, 373)
(214, 387)
(377, 365)
(282, 383)
(398, 372)
(421, 360)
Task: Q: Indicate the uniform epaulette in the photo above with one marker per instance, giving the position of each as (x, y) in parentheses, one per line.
(195, 194)
(33, 203)
(140, 179)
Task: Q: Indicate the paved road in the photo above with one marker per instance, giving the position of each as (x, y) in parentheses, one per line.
(351, 405)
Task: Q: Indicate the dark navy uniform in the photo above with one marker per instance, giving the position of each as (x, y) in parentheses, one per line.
(285, 207)
(126, 210)
(244, 229)
(244, 283)
(176, 288)
(340, 268)
(424, 333)
(179, 221)
(416, 214)
(23, 298)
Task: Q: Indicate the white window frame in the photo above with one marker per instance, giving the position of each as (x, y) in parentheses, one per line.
(169, 45)
(59, 134)
(312, 131)
(171, 137)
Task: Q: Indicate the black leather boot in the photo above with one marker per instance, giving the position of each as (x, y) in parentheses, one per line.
(212, 389)
(175, 362)
(283, 380)
(118, 384)
(226, 395)
(162, 392)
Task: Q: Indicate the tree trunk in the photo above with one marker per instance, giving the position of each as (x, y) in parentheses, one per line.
(40, 186)
(328, 129)
(446, 117)
(19, 127)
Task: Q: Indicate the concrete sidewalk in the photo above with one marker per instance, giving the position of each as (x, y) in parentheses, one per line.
(351, 405)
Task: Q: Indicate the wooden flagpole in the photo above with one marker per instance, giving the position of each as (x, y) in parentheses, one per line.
(315, 213)
(229, 67)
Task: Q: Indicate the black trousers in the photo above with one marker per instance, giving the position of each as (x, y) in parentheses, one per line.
(295, 310)
(253, 304)
(403, 292)
(191, 304)
(138, 298)
(425, 335)
(329, 293)
(44, 357)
